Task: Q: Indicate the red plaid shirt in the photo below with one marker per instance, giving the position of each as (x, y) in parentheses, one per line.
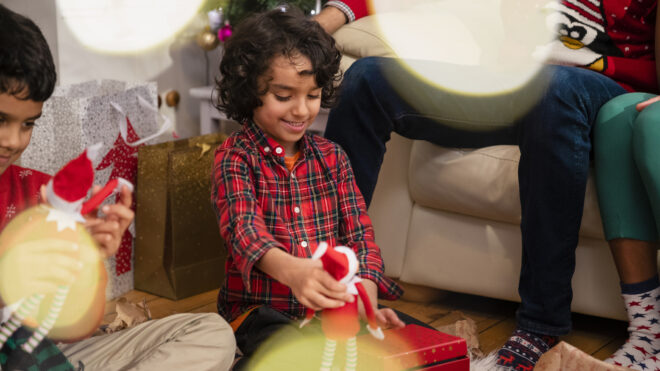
(261, 205)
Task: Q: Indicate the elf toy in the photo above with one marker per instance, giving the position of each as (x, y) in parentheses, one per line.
(342, 324)
(74, 311)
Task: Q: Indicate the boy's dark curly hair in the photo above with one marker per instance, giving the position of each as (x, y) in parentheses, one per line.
(26, 64)
(248, 53)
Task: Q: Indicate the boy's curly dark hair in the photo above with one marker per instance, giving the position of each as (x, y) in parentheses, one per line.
(26, 64)
(248, 53)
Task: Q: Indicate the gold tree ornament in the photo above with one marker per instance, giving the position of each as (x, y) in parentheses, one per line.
(207, 39)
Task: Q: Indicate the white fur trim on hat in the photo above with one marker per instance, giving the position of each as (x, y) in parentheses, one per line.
(320, 251)
(352, 263)
(72, 208)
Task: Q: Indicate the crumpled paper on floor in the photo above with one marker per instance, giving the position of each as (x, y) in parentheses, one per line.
(566, 357)
(466, 328)
(128, 315)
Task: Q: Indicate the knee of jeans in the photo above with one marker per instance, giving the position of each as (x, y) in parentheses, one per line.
(567, 81)
(361, 73)
(576, 83)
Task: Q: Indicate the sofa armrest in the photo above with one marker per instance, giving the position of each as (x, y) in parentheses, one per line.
(391, 206)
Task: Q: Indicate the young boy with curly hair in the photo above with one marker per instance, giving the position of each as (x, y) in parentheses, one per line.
(279, 192)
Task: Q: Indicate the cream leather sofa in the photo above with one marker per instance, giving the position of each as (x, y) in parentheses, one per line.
(449, 218)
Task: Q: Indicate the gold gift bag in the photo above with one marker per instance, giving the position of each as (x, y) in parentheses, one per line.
(178, 248)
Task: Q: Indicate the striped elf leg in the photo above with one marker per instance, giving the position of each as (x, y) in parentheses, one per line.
(49, 321)
(17, 317)
(328, 354)
(351, 354)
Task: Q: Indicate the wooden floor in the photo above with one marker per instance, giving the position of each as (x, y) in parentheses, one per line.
(495, 319)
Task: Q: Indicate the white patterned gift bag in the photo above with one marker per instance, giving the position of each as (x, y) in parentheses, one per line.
(79, 115)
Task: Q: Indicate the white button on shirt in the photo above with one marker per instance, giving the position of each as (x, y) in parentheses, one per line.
(266, 149)
(303, 244)
(278, 150)
(296, 210)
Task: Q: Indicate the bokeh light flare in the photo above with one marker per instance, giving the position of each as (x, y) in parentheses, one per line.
(498, 39)
(126, 26)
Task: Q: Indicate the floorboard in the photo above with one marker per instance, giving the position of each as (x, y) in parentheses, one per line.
(495, 319)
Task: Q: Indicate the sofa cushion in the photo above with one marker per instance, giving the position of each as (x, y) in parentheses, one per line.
(481, 182)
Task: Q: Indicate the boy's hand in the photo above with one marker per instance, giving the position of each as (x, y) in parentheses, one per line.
(387, 318)
(315, 288)
(108, 231)
(311, 284)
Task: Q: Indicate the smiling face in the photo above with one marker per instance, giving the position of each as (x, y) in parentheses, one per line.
(16, 121)
(291, 102)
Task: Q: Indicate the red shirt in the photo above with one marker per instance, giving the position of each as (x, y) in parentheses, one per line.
(352, 9)
(260, 205)
(19, 189)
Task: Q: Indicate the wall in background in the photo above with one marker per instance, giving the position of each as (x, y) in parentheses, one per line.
(177, 64)
(42, 12)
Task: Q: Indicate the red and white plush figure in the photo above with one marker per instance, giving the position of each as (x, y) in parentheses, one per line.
(61, 221)
(342, 324)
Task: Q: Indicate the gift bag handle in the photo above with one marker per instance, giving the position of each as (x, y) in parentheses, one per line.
(123, 126)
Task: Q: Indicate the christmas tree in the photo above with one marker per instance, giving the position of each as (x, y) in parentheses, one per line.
(239, 9)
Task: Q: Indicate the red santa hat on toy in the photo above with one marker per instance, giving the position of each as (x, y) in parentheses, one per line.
(67, 190)
(342, 264)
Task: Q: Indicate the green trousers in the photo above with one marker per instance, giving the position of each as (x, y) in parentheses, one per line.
(627, 161)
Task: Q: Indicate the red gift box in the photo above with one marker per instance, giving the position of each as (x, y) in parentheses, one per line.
(413, 346)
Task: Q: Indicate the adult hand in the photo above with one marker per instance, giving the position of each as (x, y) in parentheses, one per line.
(330, 19)
(646, 103)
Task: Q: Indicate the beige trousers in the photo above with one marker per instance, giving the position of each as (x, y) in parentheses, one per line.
(186, 341)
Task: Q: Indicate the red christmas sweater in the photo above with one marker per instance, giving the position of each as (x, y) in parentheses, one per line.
(19, 189)
(613, 37)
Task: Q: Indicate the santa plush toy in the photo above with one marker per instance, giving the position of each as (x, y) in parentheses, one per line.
(60, 221)
(342, 324)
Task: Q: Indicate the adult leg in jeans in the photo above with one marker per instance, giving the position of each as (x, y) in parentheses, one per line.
(555, 143)
(371, 107)
(554, 139)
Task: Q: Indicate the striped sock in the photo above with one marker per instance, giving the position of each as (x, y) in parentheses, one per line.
(641, 301)
(523, 350)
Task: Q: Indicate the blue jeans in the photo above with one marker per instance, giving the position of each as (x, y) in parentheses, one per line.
(554, 136)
